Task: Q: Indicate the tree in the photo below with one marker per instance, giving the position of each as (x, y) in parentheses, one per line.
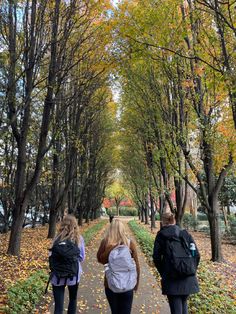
(52, 76)
(183, 88)
(117, 192)
(227, 195)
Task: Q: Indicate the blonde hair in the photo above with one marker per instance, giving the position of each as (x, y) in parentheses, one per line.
(115, 234)
(69, 229)
(168, 219)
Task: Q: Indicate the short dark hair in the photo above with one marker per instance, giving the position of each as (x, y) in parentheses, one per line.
(168, 219)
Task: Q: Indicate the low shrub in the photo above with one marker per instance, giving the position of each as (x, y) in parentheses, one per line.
(144, 238)
(128, 211)
(25, 294)
(123, 211)
(232, 223)
(189, 221)
(214, 296)
(204, 228)
(112, 211)
(202, 217)
(157, 216)
(232, 220)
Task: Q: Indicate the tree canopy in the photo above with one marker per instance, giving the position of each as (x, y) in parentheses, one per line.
(64, 134)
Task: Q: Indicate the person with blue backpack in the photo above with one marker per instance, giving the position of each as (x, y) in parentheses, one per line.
(66, 255)
(119, 256)
(176, 258)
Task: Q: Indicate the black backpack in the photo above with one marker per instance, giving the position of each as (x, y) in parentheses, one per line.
(182, 263)
(63, 261)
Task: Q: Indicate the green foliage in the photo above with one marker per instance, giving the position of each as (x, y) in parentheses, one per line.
(202, 217)
(112, 211)
(144, 238)
(25, 294)
(91, 232)
(232, 220)
(157, 216)
(189, 221)
(204, 228)
(213, 298)
(124, 211)
(128, 211)
(116, 191)
(227, 194)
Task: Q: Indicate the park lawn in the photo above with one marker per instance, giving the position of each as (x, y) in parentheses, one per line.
(217, 280)
(34, 257)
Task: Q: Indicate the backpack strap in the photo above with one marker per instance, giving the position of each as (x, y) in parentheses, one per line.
(183, 235)
(183, 238)
(49, 278)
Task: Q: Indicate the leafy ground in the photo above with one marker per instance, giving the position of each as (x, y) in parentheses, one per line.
(34, 256)
(225, 272)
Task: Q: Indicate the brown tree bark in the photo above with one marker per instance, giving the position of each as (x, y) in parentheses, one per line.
(23, 193)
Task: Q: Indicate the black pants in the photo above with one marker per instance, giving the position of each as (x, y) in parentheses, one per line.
(58, 293)
(120, 303)
(178, 304)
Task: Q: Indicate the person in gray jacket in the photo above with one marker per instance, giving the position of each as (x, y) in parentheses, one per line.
(176, 289)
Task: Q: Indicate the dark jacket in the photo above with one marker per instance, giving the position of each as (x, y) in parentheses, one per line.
(184, 286)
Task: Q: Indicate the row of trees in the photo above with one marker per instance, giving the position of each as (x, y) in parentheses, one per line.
(56, 113)
(176, 66)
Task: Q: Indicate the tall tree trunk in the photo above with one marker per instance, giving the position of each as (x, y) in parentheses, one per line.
(87, 217)
(16, 230)
(225, 219)
(181, 199)
(80, 217)
(146, 215)
(214, 222)
(52, 224)
(22, 197)
(153, 223)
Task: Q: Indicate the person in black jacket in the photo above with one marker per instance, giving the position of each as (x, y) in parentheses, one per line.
(111, 217)
(176, 289)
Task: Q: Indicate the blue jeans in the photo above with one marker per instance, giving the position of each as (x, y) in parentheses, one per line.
(120, 303)
(58, 293)
(178, 304)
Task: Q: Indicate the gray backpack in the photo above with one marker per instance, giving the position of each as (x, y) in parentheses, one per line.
(121, 273)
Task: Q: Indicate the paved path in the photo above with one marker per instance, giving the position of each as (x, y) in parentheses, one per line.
(91, 296)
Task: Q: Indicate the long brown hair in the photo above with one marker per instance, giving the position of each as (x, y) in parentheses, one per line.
(69, 229)
(115, 234)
